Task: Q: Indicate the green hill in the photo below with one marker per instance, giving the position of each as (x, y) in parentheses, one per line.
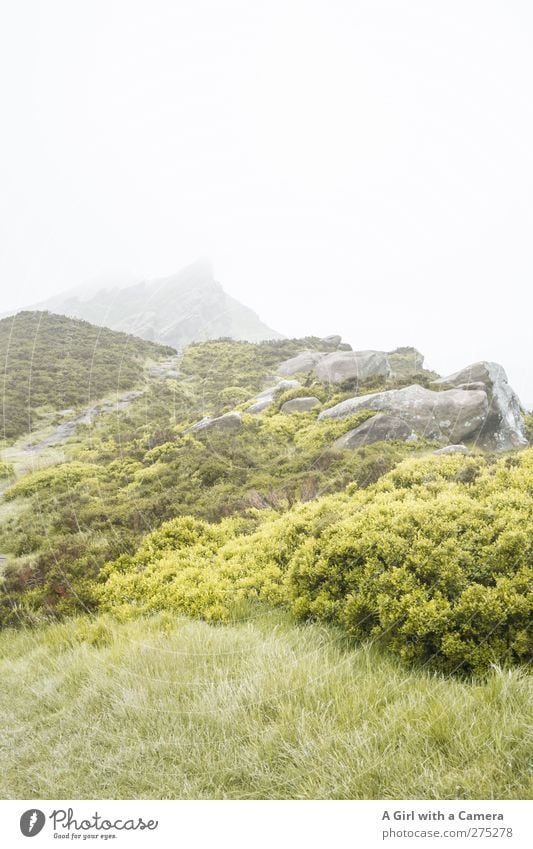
(50, 362)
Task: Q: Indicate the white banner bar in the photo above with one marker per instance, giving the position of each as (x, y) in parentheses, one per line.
(266, 825)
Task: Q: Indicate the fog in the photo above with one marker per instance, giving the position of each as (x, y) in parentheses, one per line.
(354, 167)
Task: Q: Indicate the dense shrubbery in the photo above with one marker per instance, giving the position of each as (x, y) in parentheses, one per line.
(434, 561)
(57, 362)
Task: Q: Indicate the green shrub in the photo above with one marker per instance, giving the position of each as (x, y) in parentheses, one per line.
(437, 568)
(433, 563)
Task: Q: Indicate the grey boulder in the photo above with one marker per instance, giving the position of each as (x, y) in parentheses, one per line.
(452, 449)
(300, 405)
(305, 361)
(503, 427)
(227, 422)
(377, 429)
(451, 415)
(345, 365)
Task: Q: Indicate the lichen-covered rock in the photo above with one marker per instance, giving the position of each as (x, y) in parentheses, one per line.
(503, 427)
(229, 421)
(305, 361)
(300, 405)
(346, 365)
(451, 415)
(377, 429)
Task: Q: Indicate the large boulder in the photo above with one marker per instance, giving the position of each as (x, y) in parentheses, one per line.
(305, 361)
(503, 427)
(300, 405)
(451, 415)
(346, 365)
(266, 397)
(377, 429)
(228, 422)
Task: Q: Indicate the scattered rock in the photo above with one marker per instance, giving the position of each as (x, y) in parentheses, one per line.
(451, 415)
(305, 361)
(503, 427)
(260, 405)
(266, 397)
(300, 405)
(346, 365)
(378, 428)
(345, 346)
(229, 421)
(452, 449)
(334, 339)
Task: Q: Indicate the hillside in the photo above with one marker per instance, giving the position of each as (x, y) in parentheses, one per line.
(288, 554)
(51, 363)
(186, 307)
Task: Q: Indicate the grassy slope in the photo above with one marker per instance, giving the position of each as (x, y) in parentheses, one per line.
(54, 362)
(170, 708)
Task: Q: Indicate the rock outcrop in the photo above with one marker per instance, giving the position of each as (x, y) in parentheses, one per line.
(503, 427)
(376, 429)
(266, 397)
(346, 365)
(300, 405)
(334, 367)
(227, 422)
(449, 416)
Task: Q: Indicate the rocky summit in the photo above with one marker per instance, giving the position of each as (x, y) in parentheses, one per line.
(190, 306)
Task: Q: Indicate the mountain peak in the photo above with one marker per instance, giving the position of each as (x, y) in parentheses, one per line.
(189, 306)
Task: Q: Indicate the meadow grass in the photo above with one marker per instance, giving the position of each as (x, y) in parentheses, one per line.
(168, 707)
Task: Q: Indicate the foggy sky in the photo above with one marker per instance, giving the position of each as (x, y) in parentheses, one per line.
(354, 167)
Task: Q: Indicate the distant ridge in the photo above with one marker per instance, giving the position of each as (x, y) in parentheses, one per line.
(190, 306)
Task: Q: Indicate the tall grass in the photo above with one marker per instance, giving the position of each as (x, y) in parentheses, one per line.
(173, 708)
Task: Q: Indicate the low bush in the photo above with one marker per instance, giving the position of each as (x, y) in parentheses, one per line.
(433, 563)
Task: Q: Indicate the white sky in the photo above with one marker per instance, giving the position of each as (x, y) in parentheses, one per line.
(355, 167)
